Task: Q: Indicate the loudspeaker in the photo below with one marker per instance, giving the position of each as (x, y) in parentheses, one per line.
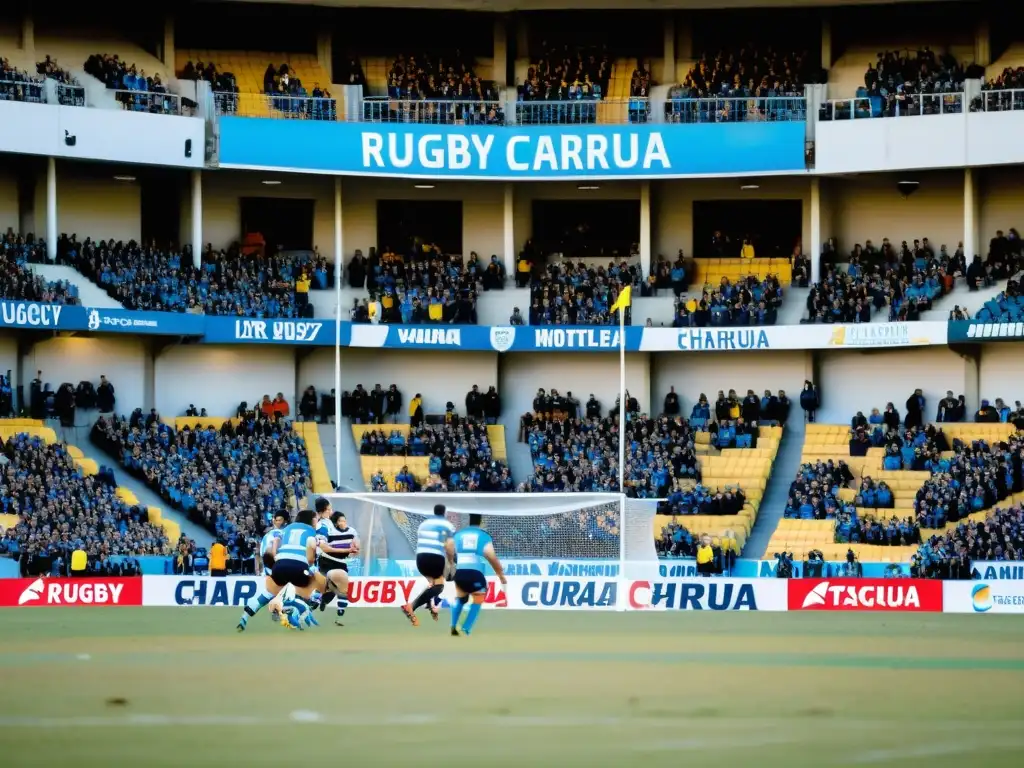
(188, 147)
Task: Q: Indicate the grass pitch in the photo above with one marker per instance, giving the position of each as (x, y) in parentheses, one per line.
(177, 686)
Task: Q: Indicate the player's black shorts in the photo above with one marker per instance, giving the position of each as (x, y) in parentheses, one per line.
(470, 581)
(326, 565)
(291, 572)
(430, 565)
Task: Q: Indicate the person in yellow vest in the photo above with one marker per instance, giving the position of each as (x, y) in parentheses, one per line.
(79, 562)
(218, 559)
(747, 251)
(302, 291)
(416, 411)
(705, 557)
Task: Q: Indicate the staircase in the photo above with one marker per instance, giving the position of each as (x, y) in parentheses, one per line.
(90, 294)
(773, 504)
(520, 463)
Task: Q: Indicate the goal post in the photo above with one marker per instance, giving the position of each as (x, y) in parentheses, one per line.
(595, 527)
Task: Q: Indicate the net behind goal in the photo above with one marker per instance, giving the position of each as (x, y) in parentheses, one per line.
(536, 526)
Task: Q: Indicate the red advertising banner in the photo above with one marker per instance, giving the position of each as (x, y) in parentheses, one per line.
(865, 595)
(58, 592)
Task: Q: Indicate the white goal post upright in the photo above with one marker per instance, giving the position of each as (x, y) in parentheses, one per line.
(600, 527)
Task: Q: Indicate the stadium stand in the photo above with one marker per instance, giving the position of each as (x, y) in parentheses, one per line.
(227, 474)
(18, 281)
(19, 85)
(577, 294)
(55, 501)
(136, 91)
(227, 283)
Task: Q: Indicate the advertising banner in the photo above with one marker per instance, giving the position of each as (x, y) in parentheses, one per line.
(70, 592)
(972, 331)
(502, 152)
(922, 595)
(997, 570)
(704, 594)
(983, 597)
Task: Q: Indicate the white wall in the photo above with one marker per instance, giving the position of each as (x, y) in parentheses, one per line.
(580, 373)
(77, 358)
(526, 193)
(8, 203)
(709, 372)
(483, 218)
(672, 206)
(91, 204)
(859, 381)
(218, 378)
(1001, 203)
(869, 207)
(1002, 372)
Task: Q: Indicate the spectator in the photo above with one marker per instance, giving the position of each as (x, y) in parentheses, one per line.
(18, 282)
(436, 89)
(987, 414)
(575, 294)
(17, 85)
(749, 302)
(105, 399)
(70, 92)
(915, 410)
(218, 559)
(135, 90)
(809, 401)
(951, 409)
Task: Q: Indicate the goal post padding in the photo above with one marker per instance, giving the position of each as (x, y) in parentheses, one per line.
(537, 526)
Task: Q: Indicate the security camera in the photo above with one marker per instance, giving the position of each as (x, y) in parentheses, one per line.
(907, 188)
(69, 139)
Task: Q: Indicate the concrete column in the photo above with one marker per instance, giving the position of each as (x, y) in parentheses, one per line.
(645, 227)
(983, 44)
(500, 71)
(684, 39)
(325, 52)
(509, 232)
(28, 35)
(339, 254)
(168, 48)
(197, 218)
(667, 75)
(522, 37)
(826, 43)
(814, 252)
(51, 209)
(971, 198)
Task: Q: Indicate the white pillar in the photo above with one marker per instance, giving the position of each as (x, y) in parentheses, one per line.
(51, 209)
(814, 252)
(339, 256)
(826, 44)
(500, 69)
(668, 67)
(197, 217)
(510, 233)
(970, 215)
(645, 228)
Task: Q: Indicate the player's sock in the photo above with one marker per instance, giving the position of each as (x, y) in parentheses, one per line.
(342, 604)
(427, 595)
(460, 603)
(299, 606)
(253, 605)
(471, 614)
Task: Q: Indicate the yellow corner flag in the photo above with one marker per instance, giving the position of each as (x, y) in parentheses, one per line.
(624, 300)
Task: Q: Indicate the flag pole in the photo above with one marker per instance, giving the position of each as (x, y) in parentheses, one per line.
(622, 399)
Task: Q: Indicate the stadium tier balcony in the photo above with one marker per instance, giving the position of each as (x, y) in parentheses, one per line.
(228, 474)
(842, 502)
(18, 281)
(133, 88)
(54, 501)
(235, 282)
(578, 294)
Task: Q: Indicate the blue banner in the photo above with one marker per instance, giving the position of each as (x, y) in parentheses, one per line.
(301, 333)
(513, 152)
(45, 317)
(156, 323)
(972, 331)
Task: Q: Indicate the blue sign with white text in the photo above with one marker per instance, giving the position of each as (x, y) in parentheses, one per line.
(513, 152)
(46, 317)
(247, 330)
(157, 323)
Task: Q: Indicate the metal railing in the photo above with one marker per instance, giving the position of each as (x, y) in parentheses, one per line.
(22, 88)
(275, 106)
(382, 109)
(583, 111)
(1002, 100)
(149, 101)
(781, 109)
(913, 105)
(70, 95)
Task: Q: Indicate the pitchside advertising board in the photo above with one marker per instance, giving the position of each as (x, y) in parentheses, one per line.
(983, 596)
(70, 592)
(913, 595)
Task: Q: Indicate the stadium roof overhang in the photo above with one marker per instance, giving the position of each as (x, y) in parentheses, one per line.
(503, 6)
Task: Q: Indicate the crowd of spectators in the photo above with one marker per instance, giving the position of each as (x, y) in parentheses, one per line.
(729, 409)
(18, 281)
(421, 285)
(740, 85)
(748, 301)
(564, 85)
(289, 95)
(1007, 307)
(377, 406)
(136, 91)
(814, 493)
(18, 85)
(70, 92)
(461, 457)
(999, 537)
(62, 510)
(904, 83)
(1003, 93)
(575, 293)
(223, 84)
(436, 88)
(144, 277)
(230, 480)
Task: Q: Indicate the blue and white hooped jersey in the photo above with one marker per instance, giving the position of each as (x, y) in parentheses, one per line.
(432, 535)
(293, 542)
(265, 542)
(470, 544)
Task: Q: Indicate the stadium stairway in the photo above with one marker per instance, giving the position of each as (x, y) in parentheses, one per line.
(972, 301)
(351, 463)
(773, 504)
(91, 295)
(135, 492)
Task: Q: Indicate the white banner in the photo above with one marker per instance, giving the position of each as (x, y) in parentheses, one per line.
(983, 597)
(703, 594)
(997, 570)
